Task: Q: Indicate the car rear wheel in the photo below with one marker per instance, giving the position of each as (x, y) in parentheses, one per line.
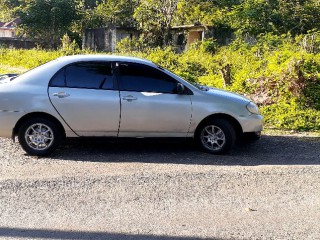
(216, 136)
(39, 136)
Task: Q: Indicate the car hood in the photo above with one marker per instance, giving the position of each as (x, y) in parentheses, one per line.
(228, 95)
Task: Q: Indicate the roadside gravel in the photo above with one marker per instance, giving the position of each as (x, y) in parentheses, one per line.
(93, 189)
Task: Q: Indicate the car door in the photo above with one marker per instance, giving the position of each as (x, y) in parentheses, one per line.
(83, 93)
(150, 105)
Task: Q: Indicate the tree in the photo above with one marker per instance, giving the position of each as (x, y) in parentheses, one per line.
(5, 13)
(116, 12)
(155, 18)
(277, 16)
(197, 12)
(48, 20)
(206, 12)
(8, 8)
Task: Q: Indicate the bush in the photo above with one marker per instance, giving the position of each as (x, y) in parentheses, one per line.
(131, 45)
(288, 116)
(69, 47)
(280, 73)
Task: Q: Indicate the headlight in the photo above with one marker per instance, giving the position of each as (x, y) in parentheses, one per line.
(253, 108)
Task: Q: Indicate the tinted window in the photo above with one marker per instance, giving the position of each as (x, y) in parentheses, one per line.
(92, 75)
(141, 78)
(58, 80)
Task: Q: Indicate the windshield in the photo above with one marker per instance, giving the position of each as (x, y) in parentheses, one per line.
(196, 85)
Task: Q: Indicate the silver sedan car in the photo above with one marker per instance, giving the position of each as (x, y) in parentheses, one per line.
(114, 96)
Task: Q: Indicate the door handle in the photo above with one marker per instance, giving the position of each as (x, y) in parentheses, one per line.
(129, 98)
(61, 95)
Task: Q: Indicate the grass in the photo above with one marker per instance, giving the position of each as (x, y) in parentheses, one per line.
(271, 74)
(11, 69)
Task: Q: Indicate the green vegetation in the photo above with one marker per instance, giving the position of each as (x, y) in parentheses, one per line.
(274, 58)
(47, 21)
(280, 73)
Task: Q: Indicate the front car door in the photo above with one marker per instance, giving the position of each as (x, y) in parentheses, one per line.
(83, 93)
(150, 105)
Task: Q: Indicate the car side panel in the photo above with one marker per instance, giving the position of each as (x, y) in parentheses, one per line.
(205, 105)
(89, 112)
(20, 99)
(155, 115)
(8, 119)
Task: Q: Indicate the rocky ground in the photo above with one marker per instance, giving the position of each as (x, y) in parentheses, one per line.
(93, 189)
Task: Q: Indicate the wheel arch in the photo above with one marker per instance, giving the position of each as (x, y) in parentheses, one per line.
(34, 115)
(234, 122)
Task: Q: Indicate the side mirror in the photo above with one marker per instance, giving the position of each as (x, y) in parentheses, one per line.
(180, 88)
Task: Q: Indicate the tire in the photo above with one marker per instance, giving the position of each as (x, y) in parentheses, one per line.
(216, 136)
(40, 136)
(252, 136)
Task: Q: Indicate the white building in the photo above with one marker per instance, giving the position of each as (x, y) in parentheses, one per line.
(9, 29)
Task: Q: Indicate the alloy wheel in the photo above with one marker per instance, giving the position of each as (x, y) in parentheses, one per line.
(213, 138)
(39, 136)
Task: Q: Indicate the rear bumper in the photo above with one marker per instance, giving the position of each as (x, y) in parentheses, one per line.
(8, 120)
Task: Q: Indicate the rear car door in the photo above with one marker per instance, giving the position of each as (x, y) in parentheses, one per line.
(85, 96)
(150, 105)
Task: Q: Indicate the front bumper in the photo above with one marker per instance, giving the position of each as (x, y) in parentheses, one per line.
(252, 123)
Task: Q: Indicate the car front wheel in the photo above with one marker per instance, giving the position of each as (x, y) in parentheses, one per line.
(216, 136)
(39, 136)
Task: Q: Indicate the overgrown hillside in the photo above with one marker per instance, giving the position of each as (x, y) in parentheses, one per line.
(280, 73)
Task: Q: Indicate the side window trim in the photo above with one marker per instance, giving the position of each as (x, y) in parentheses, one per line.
(114, 72)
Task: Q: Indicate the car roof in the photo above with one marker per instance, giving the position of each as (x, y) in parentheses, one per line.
(50, 68)
(92, 57)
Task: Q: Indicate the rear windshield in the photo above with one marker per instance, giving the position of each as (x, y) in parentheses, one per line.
(39, 68)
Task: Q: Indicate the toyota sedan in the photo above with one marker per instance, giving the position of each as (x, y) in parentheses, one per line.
(114, 96)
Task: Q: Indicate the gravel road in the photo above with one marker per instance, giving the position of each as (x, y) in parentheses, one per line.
(93, 189)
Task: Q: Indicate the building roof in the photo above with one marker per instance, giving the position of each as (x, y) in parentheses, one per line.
(112, 26)
(11, 24)
(188, 27)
